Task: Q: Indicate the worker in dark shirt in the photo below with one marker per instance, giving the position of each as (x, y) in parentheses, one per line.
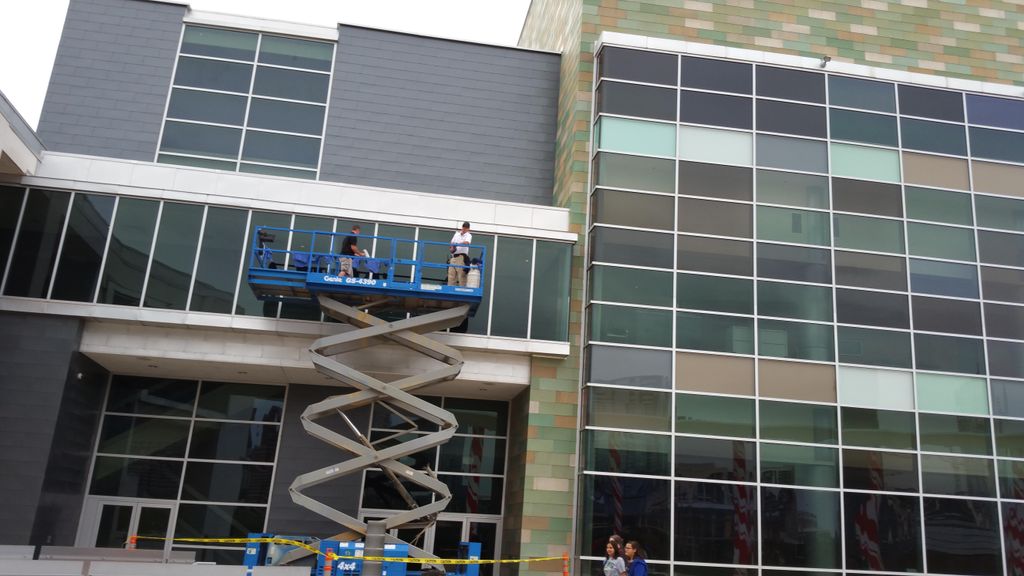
(350, 247)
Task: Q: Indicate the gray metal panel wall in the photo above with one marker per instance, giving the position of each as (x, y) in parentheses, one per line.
(300, 453)
(441, 116)
(110, 79)
(35, 354)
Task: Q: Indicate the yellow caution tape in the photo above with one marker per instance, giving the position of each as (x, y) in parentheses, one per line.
(287, 542)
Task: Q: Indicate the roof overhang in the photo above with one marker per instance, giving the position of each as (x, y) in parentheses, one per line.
(20, 148)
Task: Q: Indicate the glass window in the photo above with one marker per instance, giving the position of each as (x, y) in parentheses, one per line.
(196, 162)
(1011, 479)
(715, 181)
(550, 320)
(949, 354)
(715, 415)
(864, 162)
(286, 116)
(933, 137)
(141, 436)
(860, 93)
(804, 190)
(1008, 398)
(489, 417)
(794, 301)
(719, 218)
(11, 199)
(635, 172)
(35, 251)
(794, 263)
(943, 393)
(789, 118)
(796, 380)
(939, 205)
(512, 265)
(720, 75)
(871, 270)
(224, 482)
(714, 373)
(716, 109)
(206, 107)
(472, 455)
(170, 275)
(629, 247)
(638, 65)
(1009, 438)
(791, 153)
(798, 422)
(993, 111)
(290, 84)
(636, 100)
(957, 476)
(866, 197)
(618, 452)
(948, 521)
(715, 333)
(863, 233)
(153, 396)
(635, 136)
(277, 171)
(863, 127)
(716, 256)
(717, 293)
(931, 103)
(1006, 358)
(281, 149)
(872, 308)
(233, 441)
(135, 477)
(218, 43)
(624, 325)
(213, 74)
(997, 144)
(877, 470)
(876, 388)
(1003, 284)
(789, 539)
(219, 257)
(943, 278)
(714, 459)
(957, 434)
(630, 286)
(644, 509)
(715, 523)
(713, 145)
(790, 225)
(246, 302)
(632, 209)
(883, 532)
(628, 408)
(1001, 213)
(944, 315)
(790, 84)
(85, 238)
(232, 401)
(296, 53)
(380, 492)
(201, 139)
(874, 347)
(1000, 248)
(879, 428)
(799, 465)
(629, 366)
(210, 521)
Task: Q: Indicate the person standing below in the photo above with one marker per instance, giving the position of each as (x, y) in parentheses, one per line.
(350, 247)
(635, 557)
(460, 256)
(614, 565)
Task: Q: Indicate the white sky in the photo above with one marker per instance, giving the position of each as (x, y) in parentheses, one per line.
(31, 30)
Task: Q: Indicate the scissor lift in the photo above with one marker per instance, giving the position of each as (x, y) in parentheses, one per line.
(413, 293)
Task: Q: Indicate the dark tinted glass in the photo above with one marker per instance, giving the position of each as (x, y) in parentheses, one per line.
(618, 452)
(948, 521)
(135, 477)
(631, 209)
(465, 454)
(636, 100)
(957, 476)
(84, 241)
(219, 43)
(11, 199)
(863, 127)
(718, 293)
(799, 465)
(223, 482)
(716, 181)
(638, 65)
(233, 441)
(246, 302)
(715, 333)
(715, 109)
(792, 189)
(788, 539)
(798, 422)
(871, 270)
(219, 257)
(35, 250)
(874, 347)
(629, 366)
(725, 517)
(210, 521)
(644, 511)
(141, 436)
(1009, 438)
(206, 107)
(1003, 284)
(866, 233)
(879, 428)
(631, 409)
(380, 492)
(624, 325)
(858, 93)
(130, 243)
(949, 354)
(791, 153)
(715, 415)
(719, 218)
(794, 263)
(791, 84)
(630, 247)
(883, 531)
(957, 434)
(232, 401)
(296, 53)
(992, 111)
(1011, 482)
(716, 256)
(872, 308)
(550, 314)
(997, 212)
(930, 103)
(794, 301)
(1000, 248)
(876, 470)
(718, 75)
(170, 275)
(997, 144)
(1003, 321)
(213, 74)
(789, 118)
(291, 84)
(943, 278)
(938, 205)
(943, 315)
(933, 136)
(201, 139)
(155, 396)
(488, 417)
(635, 172)
(1006, 358)
(281, 149)
(1007, 398)
(713, 459)
(792, 225)
(866, 197)
(286, 116)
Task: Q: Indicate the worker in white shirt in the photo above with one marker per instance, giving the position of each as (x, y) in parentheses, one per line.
(459, 256)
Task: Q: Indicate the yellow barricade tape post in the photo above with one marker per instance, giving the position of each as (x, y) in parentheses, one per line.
(303, 545)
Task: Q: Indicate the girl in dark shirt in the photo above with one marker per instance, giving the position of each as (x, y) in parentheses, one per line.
(635, 557)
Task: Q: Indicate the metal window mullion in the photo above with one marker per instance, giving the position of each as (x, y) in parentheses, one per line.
(195, 261)
(60, 243)
(494, 275)
(673, 361)
(170, 90)
(533, 280)
(14, 240)
(106, 251)
(242, 268)
(152, 252)
(248, 102)
(755, 336)
(277, 452)
(93, 455)
(327, 108)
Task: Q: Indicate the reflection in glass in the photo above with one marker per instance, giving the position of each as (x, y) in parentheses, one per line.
(625, 285)
(860, 93)
(218, 43)
(84, 240)
(636, 100)
(550, 311)
(871, 270)
(940, 205)
(290, 84)
(714, 459)
(639, 66)
(629, 367)
(718, 75)
(135, 477)
(957, 476)
(957, 434)
(949, 354)
(933, 136)
(128, 255)
(35, 250)
(11, 199)
(790, 118)
(790, 225)
(1007, 398)
(879, 428)
(943, 278)
(717, 293)
(962, 536)
(489, 417)
(1011, 479)
(233, 441)
(1009, 438)
(156, 396)
(800, 528)
(633, 247)
(931, 103)
(296, 53)
(883, 532)
(286, 116)
(170, 273)
(794, 301)
(716, 256)
(798, 422)
(719, 218)
(791, 153)
(472, 455)
(934, 241)
(623, 325)
(210, 521)
(246, 302)
(380, 492)
(1001, 248)
(634, 172)
(877, 470)
(792, 189)
(641, 506)
(200, 139)
(799, 465)
(219, 257)
(863, 233)
(715, 415)
(618, 452)
(715, 109)
(630, 409)
(213, 74)
(1006, 358)
(631, 209)
(284, 149)
(790, 84)
(872, 308)
(715, 333)
(716, 523)
(206, 107)
(794, 263)
(795, 340)
(224, 482)
(255, 402)
(139, 436)
(863, 127)
(474, 494)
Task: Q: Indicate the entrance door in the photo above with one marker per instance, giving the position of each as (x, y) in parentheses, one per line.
(448, 534)
(109, 524)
